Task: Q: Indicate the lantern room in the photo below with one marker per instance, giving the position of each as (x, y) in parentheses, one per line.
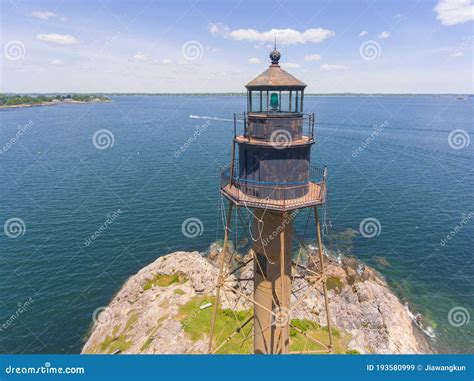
(275, 102)
(275, 91)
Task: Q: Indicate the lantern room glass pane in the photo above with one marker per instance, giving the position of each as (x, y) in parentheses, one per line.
(255, 101)
(285, 101)
(255, 95)
(265, 101)
(274, 102)
(296, 102)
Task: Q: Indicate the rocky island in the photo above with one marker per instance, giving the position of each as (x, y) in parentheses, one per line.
(165, 308)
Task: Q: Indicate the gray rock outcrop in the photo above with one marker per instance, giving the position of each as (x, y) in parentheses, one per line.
(146, 314)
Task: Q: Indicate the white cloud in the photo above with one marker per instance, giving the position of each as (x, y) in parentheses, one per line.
(56, 62)
(219, 29)
(254, 60)
(283, 36)
(363, 33)
(333, 67)
(289, 65)
(452, 12)
(312, 57)
(139, 57)
(384, 35)
(61, 39)
(43, 15)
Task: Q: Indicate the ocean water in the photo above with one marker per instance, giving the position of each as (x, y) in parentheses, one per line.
(389, 159)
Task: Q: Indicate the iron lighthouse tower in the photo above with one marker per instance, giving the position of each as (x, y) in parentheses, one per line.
(271, 176)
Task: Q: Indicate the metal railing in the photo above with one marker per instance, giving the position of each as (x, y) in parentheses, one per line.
(279, 196)
(241, 124)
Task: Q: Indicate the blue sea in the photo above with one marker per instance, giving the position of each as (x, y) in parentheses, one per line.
(404, 162)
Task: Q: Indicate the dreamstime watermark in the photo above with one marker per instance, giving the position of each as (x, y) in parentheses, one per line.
(280, 138)
(458, 316)
(459, 51)
(19, 133)
(14, 227)
(199, 129)
(466, 218)
(459, 139)
(22, 308)
(110, 218)
(370, 50)
(370, 227)
(192, 227)
(102, 315)
(192, 50)
(376, 130)
(188, 320)
(280, 316)
(45, 369)
(275, 233)
(105, 48)
(14, 50)
(103, 139)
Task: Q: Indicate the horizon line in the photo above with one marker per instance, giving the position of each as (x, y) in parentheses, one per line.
(214, 93)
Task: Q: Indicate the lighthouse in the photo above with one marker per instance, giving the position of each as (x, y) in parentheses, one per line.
(271, 174)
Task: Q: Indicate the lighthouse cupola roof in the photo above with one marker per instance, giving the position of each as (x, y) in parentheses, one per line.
(275, 78)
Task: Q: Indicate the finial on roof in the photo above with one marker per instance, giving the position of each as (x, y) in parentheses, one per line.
(275, 54)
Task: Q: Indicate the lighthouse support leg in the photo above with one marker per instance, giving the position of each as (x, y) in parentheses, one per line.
(272, 281)
(285, 291)
(325, 290)
(220, 279)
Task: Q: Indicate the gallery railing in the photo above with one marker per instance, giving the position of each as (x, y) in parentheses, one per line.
(281, 195)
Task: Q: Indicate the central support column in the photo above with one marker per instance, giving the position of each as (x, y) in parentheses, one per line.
(272, 281)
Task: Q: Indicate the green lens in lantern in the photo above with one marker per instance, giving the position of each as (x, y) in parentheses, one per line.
(274, 101)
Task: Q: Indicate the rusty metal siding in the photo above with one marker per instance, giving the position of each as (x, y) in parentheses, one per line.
(267, 171)
(263, 128)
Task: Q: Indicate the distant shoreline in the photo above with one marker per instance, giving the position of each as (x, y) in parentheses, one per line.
(244, 94)
(306, 95)
(100, 100)
(25, 105)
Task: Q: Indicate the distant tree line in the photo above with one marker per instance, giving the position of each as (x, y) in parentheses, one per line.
(13, 100)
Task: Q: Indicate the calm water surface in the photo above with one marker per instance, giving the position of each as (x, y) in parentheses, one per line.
(63, 188)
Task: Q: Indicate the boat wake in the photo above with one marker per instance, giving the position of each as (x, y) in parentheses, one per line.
(210, 118)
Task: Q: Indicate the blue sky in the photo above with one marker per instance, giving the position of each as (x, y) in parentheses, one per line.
(216, 46)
